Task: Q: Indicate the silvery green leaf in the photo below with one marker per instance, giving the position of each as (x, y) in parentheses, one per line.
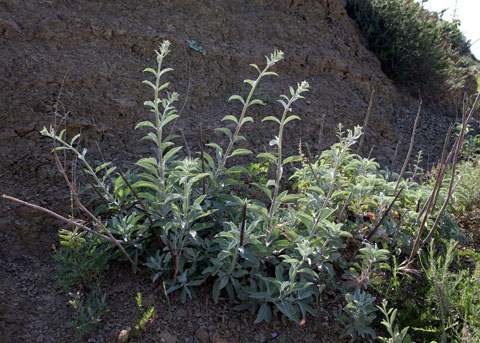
(225, 131)
(163, 71)
(230, 117)
(237, 97)
(150, 84)
(170, 118)
(247, 120)
(72, 142)
(165, 85)
(267, 156)
(292, 159)
(291, 118)
(240, 152)
(150, 70)
(270, 183)
(270, 73)
(284, 285)
(274, 142)
(215, 146)
(250, 82)
(145, 123)
(239, 138)
(256, 102)
(256, 67)
(284, 104)
(271, 118)
(150, 104)
(264, 314)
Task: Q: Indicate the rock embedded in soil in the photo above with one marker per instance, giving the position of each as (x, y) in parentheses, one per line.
(202, 335)
(260, 337)
(123, 336)
(167, 337)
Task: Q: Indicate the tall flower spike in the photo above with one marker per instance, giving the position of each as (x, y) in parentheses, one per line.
(275, 57)
(164, 50)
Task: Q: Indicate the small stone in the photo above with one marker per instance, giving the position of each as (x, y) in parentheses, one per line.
(202, 335)
(123, 336)
(167, 337)
(126, 102)
(108, 34)
(180, 313)
(260, 337)
(232, 325)
(148, 301)
(39, 339)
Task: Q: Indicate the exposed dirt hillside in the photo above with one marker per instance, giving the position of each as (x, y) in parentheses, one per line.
(90, 55)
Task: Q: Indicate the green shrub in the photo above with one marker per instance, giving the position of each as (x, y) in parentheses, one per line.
(188, 220)
(415, 46)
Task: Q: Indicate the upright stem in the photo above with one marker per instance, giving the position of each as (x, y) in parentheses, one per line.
(365, 121)
(279, 171)
(410, 148)
(158, 125)
(242, 115)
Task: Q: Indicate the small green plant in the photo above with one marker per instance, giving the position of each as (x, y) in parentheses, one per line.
(81, 261)
(81, 264)
(396, 336)
(89, 309)
(169, 305)
(365, 273)
(357, 315)
(143, 318)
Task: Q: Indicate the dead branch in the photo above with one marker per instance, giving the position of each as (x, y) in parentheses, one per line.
(56, 215)
(365, 121)
(410, 148)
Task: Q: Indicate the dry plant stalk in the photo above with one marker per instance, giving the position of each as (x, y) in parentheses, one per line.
(320, 135)
(344, 208)
(56, 215)
(451, 186)
(410, 148)
(385, 213)
(395, 156)
(365, 121)
(454, 156)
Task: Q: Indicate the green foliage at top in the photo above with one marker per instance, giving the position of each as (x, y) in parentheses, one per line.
(415, 46)
(189, 221)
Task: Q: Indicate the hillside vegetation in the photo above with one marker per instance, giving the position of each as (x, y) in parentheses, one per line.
(415, 46)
